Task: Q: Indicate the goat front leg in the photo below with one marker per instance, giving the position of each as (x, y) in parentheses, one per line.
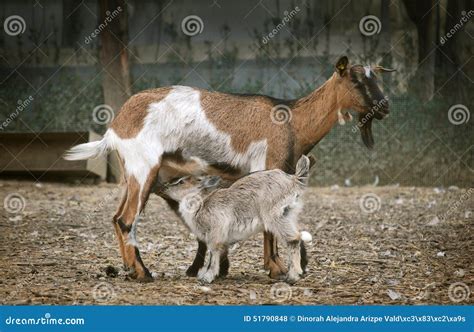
(137, 196)
(294, 262)
(272, 260)
(198, 262)
(200, 257)
(209, 273)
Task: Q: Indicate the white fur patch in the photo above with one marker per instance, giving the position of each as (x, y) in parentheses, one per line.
(306, 237)
(179, 122)
(367, 71)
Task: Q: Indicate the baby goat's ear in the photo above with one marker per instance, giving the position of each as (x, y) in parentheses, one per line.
(211, 181)
(302, 169)
(312, 160)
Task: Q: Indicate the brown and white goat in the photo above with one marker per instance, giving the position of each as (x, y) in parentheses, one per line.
(247, 132)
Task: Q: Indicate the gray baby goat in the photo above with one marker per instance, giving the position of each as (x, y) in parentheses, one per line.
(265, 200)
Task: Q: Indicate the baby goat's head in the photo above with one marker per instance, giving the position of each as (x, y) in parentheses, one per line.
(191, 186)
(359, 90)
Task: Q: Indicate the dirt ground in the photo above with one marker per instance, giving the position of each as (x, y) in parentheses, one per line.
(402, 246)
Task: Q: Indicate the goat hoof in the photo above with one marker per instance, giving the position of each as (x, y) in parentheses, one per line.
(192, 271)
(145, 279)
(206, 277)
(292, 279)
(277, 274)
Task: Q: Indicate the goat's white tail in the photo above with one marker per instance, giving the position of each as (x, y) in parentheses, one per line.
(87, 150)
(306, 237)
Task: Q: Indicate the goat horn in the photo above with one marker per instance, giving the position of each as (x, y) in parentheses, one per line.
(382, 69)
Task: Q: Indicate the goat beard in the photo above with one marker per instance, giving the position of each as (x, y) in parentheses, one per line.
(366, 131)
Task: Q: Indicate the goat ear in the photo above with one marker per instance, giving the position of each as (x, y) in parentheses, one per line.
(341, 65)
(312, 160)
(211, 181)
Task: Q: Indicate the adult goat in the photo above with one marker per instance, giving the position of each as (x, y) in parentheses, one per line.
(247, 132)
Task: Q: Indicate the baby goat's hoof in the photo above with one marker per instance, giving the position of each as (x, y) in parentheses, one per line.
(192, 271)
(206, 278)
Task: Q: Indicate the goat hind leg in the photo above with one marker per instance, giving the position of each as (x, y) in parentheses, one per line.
(118, 232)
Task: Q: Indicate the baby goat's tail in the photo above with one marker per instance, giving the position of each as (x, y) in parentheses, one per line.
(306, 237)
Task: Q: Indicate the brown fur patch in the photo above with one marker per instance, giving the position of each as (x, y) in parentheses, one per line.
(247, 119)
(129, 122)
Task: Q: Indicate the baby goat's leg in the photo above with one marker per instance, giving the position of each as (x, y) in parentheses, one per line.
(198, 262)
(208, 274)
(224, 263)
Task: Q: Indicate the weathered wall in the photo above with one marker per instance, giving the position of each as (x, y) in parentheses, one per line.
(55, 61)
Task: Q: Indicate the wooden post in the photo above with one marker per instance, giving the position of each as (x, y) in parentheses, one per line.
(114, 61)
